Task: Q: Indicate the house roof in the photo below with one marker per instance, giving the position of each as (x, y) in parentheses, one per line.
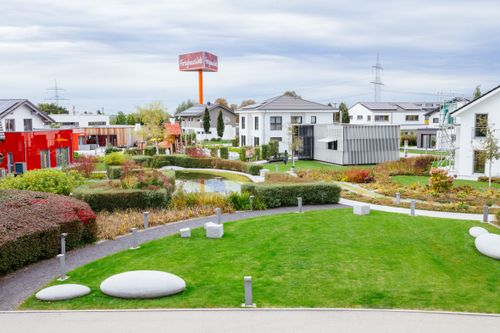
(9, 105)
(393, 106)
(286, 102)
(173, 129)
(197, 110)
(477, 100)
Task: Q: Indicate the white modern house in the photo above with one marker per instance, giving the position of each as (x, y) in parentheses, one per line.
(22, 115)
(470, 133)
(81, 120)
(192, 121)
(409, 116)
(272, 119)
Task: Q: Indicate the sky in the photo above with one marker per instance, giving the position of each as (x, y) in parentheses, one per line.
(121, 54)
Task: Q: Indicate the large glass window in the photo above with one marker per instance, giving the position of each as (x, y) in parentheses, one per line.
(45, 159)
(10, 125)
(62, 156)
(276, 123)
(256, 123)
(28, 125)
(481, 124)
(479, 161)
(243, 122)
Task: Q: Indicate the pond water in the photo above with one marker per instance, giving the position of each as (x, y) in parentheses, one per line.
(201, 182)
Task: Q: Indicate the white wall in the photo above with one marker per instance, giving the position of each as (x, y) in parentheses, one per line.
(466, 141)
(396, 117)
(21, 113)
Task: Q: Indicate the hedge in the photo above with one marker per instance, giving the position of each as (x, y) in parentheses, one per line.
(282, 195)
(143, 160)
(205, 163)
(150, 150)
(31, 224)
(114, 171)
(132, 151)
(224, 153)
(44, 180)
(111, 199)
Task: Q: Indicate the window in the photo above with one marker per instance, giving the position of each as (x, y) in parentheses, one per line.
(411, 117)
(243, 122)
(10, 162)
(296, 119)
(479, 161)
(243, 140)
(435, 120)
(276, 138)
(62, 156)
(256, 141)
(45, 159)
(381, 118)
(313, 119)
(336, 117)
(481, 124)
(276, 123)
(10, 125)
(256, 123)
(359, 118)
(333, 145)
(28, 125)
(368, 118)
(350, 117)
(97, 123)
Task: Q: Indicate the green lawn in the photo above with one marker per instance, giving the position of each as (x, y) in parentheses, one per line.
(303, 165)
(101, 166)
(424, 180)
(214, 143)
(186, 174)
(423, 151)
(316, 259)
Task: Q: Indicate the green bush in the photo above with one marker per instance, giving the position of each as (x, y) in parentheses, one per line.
(241, 201)
(283, 195)
(224, 153)
(162, 150)
(412, 139)
(111, 199)
(213, 151)
(486, 180)
(243, 154)
(116, 158)
(256, 153)
(110, 150)
(150, 150)
(143, 160)
(235, 142)
(132, 151)
(44, 180)
(114, 171)
(265, 152)
(35, 220)
(273, 148)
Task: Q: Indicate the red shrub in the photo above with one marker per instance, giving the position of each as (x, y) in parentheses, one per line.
(358, 176)
(84, 165)
(195, 152)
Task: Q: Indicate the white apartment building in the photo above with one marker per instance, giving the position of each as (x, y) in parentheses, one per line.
(192, 121)
(81, 120)
(20, 115)
(469, 154)
(272, 119)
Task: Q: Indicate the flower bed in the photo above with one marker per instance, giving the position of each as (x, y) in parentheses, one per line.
(31, 224)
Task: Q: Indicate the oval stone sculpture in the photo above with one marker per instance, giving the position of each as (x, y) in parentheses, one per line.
(142, 284)
(62, 292)
(489, 245)
(477, 231)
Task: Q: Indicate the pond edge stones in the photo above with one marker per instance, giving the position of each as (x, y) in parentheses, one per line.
(489, 245)
(142, 284)
(62, 292)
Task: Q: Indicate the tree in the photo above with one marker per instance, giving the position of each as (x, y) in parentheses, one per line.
(133, 118)
(247, 102)
(221, 101)
(344, 113)
(52, 108)
(291, 93)
(477, 92)
(184, 106)
(220, 125)
(491, 146)
(153, 116)
(120, 119)
(206, 121)
(233, 106)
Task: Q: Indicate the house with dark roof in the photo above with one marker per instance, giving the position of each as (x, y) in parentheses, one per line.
(20, 115)
(192, 121)
(272, 119)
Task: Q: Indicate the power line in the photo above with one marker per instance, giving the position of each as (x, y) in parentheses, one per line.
(377, 82)
(57, 96)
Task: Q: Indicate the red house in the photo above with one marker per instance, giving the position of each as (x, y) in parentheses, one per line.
(22, 151)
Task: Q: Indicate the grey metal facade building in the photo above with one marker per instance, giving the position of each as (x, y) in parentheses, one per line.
(349, 144)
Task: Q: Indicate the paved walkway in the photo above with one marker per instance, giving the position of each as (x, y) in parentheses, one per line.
(255, 179)
(19, 285)
(255, 320)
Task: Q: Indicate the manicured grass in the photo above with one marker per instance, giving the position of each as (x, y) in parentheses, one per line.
(424, 180)
(186, 174)
(214, 143)
(423, 151)
(316, 259)
(303, 165)
(101, 166)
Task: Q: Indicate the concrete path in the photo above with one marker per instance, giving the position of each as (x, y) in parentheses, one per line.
(256, 320)
(255, 179)
(19, 285)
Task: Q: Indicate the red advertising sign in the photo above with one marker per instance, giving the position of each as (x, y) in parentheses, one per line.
(195, 61)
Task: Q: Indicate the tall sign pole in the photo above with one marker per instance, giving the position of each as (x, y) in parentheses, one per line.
(199, 62)
(200, 86)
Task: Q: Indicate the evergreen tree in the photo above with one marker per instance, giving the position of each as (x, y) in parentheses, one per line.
(206, 121)
(344, 113)
(120, 119)
(52, 108)
(477, 92)
(220, 125)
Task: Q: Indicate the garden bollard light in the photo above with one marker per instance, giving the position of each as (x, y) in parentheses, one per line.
(413, 203)
(398, 198)
(485, 213)
(299, 203)
(248, 293)
(135, 242)
(62, 267)
(276, 166)
(218, 212)
(146, 221)
(63, 242)
(251, 202)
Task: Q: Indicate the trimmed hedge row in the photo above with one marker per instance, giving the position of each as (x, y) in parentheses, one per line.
(117, 198)
(283, 195)
(31, 224)
(205, 163)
